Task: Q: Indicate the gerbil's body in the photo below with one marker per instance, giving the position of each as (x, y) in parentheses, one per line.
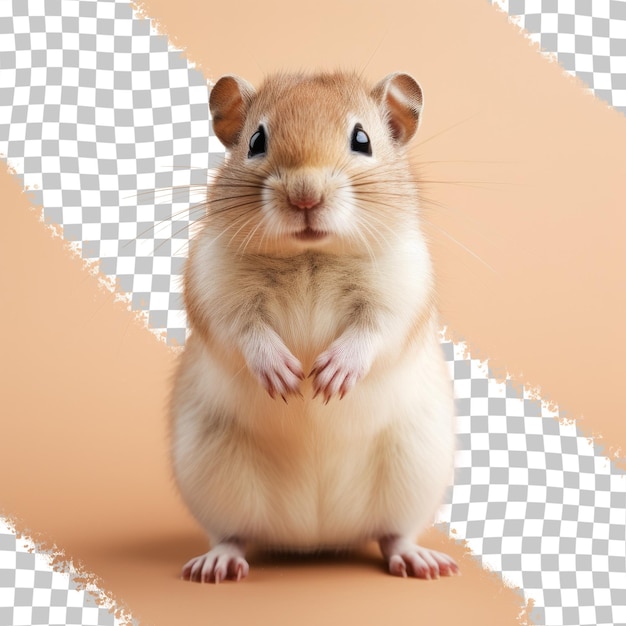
(310, 282)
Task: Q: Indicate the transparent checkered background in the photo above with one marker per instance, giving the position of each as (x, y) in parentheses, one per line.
(587, 37)
(536, 501)
(109, 129)
(31, 592)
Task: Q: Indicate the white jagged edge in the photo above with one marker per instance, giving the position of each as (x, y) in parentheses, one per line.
(45, 561)
(44, 558)
(108, 283)
(567, 428)
(535, 40)
(91, 265)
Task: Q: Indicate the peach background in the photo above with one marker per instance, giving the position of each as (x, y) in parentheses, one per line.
(85, 386)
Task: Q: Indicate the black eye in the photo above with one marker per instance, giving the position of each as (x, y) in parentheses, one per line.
(257, 143)
(360, 141)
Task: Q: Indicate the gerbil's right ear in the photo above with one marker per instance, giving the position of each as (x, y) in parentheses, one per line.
(229, 101)
(401, 98)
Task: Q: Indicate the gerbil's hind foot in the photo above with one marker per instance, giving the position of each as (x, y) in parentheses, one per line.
(223, 562)
(406, 558)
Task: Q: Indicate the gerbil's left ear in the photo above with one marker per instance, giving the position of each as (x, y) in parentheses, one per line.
(401, 98)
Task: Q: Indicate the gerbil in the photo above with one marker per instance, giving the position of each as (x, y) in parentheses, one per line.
(310, 282)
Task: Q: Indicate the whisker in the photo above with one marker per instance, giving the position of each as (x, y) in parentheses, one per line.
(387, 194)
(371, 216)
(160, 223)
(249, 236)
(376, 174)
(365, 180)
(166, 190)
(366, 244)
(235, 197)
(364, 219)
(467, 183)
(464, 247)
(232, 207)
(471, 224)
(181, 230)
(225, 230)
(173, 236)
(376, 202)
(373, 202)
(225, 180)
(247, 240)
(194, 168)
(240, 228)
(242, 205)
(444, 131)
(178, 251)
(464, 162)
(374, 53)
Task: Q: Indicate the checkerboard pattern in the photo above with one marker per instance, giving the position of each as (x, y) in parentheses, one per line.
(587, 37)
(31, 592)
(108, 128)
(536, 501)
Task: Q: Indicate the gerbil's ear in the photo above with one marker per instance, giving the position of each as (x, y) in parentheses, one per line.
(401, 98)
(229, 101)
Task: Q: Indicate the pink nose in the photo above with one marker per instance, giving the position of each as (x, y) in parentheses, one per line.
(305, 202)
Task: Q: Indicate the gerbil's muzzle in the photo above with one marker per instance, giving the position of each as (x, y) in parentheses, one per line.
(305, 189)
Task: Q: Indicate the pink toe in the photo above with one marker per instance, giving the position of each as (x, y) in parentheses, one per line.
(397, 566)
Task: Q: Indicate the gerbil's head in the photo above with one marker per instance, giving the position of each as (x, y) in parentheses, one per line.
(315, 162)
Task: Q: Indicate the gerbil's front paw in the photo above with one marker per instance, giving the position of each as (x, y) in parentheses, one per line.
(278, 371)
(225, 561)
(338, 369)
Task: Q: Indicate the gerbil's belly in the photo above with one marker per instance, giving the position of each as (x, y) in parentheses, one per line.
(311, 476)
(306, 475)
(361, 491)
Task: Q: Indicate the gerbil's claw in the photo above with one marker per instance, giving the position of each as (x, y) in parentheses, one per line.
(408, 559)
(278, 371)
(225, 561)
(284, 399)
(397, 567)
(269, 387)
(337, 370)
